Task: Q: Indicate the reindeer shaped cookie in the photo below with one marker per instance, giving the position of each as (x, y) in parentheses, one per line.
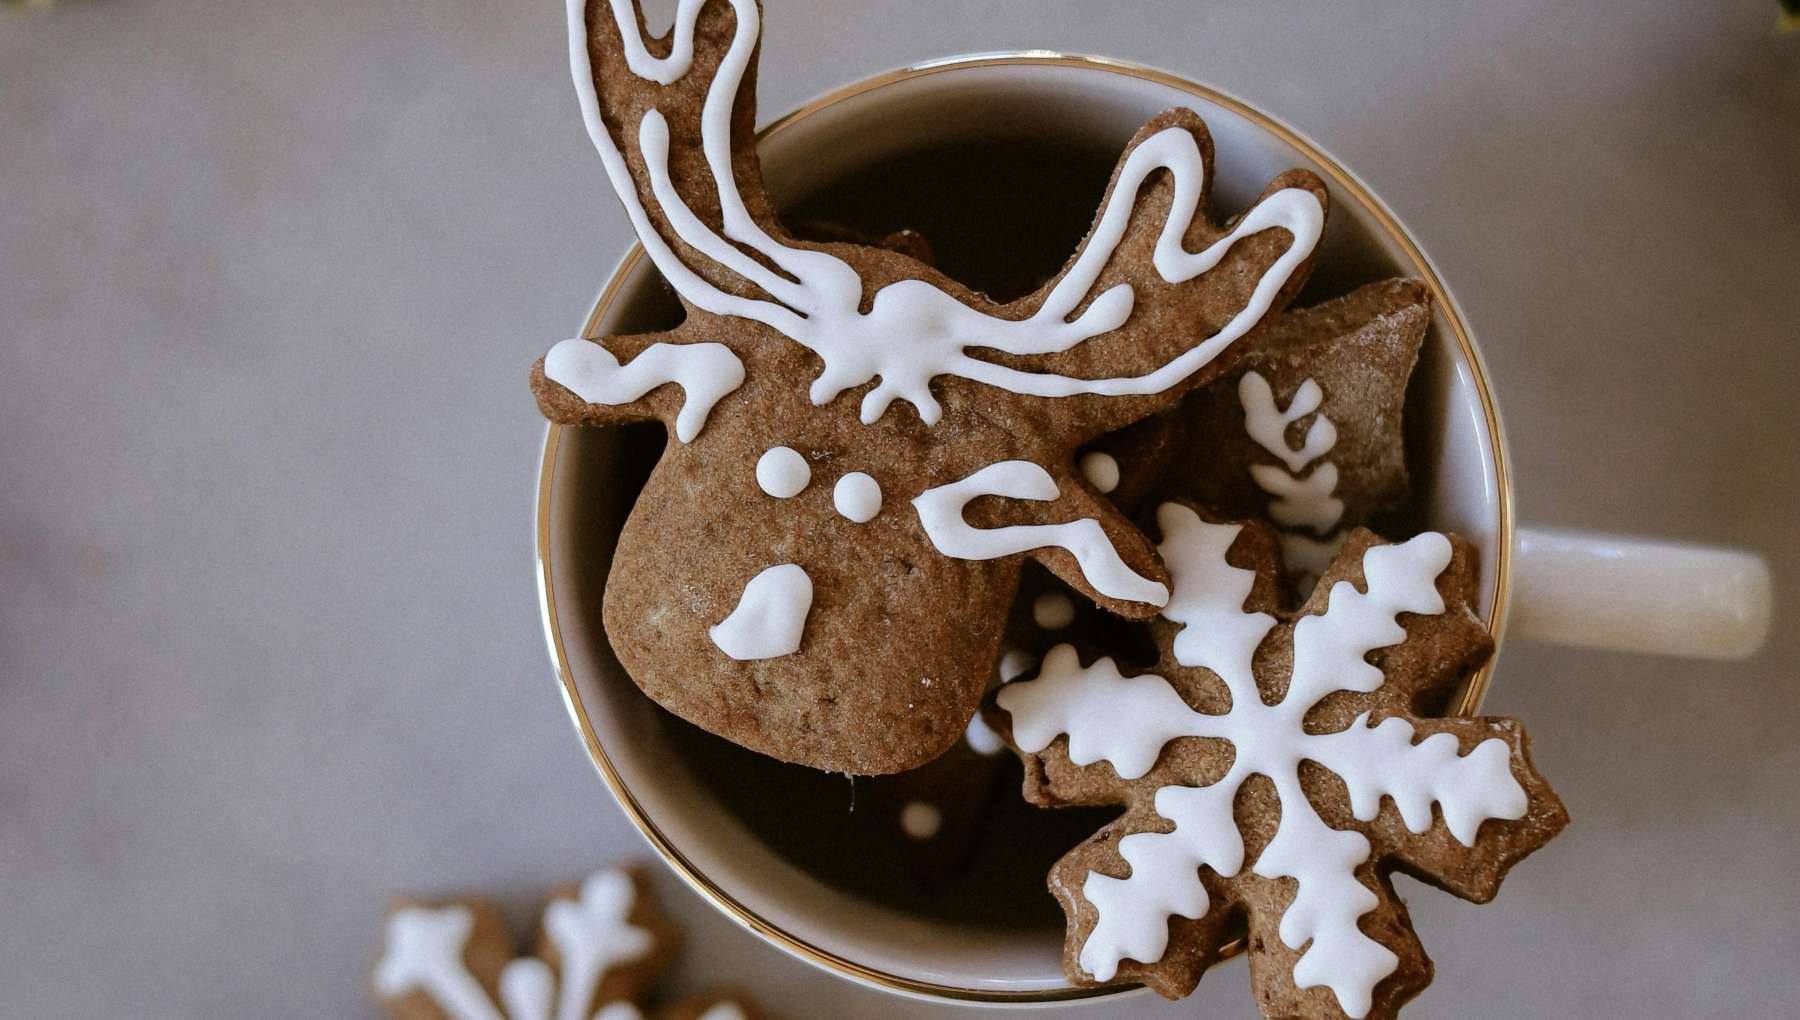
(864, 452)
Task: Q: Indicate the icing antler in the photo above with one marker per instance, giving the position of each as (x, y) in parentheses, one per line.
(749, 605)
(708, 226)
(684, 196)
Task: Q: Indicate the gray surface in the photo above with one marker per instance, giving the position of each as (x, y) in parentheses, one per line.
(270, 277)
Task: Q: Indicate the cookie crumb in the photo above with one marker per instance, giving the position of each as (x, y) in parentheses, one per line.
(920, 820)
(1053, 611)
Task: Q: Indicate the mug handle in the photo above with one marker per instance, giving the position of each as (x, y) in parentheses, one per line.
(1636, 595)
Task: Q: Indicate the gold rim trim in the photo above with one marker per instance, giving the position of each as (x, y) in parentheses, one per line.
(1340, 178)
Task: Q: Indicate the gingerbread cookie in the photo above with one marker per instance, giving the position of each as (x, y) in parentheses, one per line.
(858, 440)
(600, 945)
(1306, 430)
(1276, 768)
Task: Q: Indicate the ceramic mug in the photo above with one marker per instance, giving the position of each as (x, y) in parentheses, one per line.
(1573, 588)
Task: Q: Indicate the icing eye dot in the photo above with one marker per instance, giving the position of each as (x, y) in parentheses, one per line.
(1053, 611)
(1101, 470)
(782, 472)
(921, 820)
(857, 496)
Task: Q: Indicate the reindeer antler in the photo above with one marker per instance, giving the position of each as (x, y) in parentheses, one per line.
(1004, 395)
(915, 330)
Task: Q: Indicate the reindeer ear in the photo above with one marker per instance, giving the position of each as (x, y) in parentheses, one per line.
(1129, 546)
(674, 120)
(632, 378)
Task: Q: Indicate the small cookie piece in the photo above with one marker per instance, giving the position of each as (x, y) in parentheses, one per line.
(1275, 769)
(600, 945)
(1306, 430)
(777, 621)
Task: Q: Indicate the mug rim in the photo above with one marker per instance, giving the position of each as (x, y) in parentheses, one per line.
(1340, 177)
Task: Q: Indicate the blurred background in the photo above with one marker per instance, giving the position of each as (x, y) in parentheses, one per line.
(271, 276)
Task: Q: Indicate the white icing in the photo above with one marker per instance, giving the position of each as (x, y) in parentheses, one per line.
(1299, 502)
(527, 988)
(1127, 722)
(857, 496)
(913, 332)
(661, 70)
(1101, 470)
(1053, 611)
(981, 737)
(592, 935)
(1267, 423)
(921, 821)
(941, 508)
(1307, 557)
(705, 373)
(769, 617)
(1015, 663)
(1065, 694)
(425, 953)
(782, 472)
(724, 1011)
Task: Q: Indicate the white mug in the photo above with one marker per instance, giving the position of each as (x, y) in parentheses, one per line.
(1597, 590)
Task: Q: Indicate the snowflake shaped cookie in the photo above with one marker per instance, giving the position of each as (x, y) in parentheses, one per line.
(600, 946)
(1276, 768)
(857, 439)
